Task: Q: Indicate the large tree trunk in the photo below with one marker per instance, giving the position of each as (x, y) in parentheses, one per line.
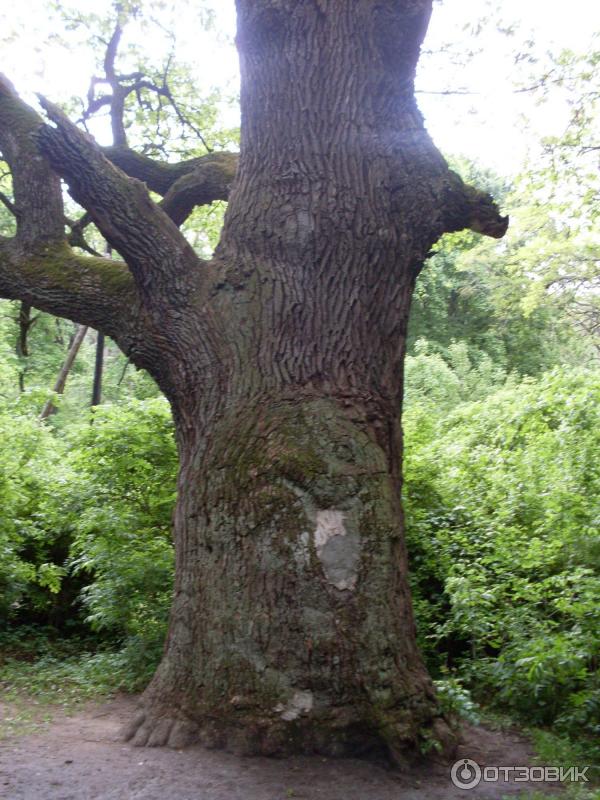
(292, 626)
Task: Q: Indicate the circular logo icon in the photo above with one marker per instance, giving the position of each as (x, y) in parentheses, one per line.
(465, 774)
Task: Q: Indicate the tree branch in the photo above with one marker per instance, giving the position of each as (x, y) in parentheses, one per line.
(37, 204)
(76, 237)
(159, 257)
(210, 181)
(91, 291)
(134, 302)
(37, 266)
(467, 207)
(61, 381)
(202, 180)
(117, 102)
(123, 85)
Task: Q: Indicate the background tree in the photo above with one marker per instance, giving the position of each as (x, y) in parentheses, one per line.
(291, 627)
(548, 269)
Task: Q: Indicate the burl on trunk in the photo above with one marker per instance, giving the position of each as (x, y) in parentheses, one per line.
(291, 628)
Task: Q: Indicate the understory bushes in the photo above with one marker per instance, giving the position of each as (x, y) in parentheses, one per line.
(123, 498)
(501, 499)
(85, 534)
(33, 548)
(503, 525)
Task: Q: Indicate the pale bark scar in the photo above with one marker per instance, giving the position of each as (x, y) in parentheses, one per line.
(299, 703)
(338, 549)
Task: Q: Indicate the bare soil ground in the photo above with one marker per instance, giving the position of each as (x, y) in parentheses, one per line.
(81, 758)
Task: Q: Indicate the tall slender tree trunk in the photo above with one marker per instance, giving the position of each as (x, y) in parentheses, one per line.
(98, 370)
(61, 379)
(292, 626)
(25, 322)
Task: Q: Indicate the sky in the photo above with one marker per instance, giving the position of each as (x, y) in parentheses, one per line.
(496, 134)
(485, 124)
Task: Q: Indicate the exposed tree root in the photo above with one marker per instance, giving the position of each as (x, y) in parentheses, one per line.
(150, 730)
(272, 737)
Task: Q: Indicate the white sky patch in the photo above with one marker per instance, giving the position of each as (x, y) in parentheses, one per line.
(488, 125)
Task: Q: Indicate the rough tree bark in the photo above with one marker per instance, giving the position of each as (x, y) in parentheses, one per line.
(291, 627)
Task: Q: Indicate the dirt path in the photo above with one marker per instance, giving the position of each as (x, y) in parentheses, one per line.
(80, 758)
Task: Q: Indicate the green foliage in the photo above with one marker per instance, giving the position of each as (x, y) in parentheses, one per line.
(7, 220)
(121, 504)
(32, 547)
(502, 510)
(39, 673)
(547, 268)
(552, 748)
(8, 358)
(473, 291)
(48, 342)
(446, 378)
(203, 227)
(85, 527)
(456, 701)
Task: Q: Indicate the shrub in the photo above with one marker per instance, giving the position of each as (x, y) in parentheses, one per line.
(503, 524)
(121, 504)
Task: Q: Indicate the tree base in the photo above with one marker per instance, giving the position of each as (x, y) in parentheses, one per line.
(291, 627)
(337, 734)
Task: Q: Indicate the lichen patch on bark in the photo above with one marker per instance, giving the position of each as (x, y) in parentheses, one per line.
(338, 548)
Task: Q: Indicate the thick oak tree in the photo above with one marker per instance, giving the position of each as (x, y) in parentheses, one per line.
(291, 627)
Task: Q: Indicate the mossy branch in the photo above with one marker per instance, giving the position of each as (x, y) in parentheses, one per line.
(184, 185)
(209, 181)
(37, 266)
(157, 254)
(91, 291)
